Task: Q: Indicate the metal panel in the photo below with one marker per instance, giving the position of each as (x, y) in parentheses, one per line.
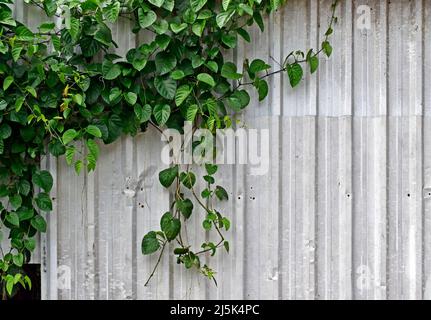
(344, 211)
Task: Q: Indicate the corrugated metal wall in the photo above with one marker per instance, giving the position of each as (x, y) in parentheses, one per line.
(345, 210)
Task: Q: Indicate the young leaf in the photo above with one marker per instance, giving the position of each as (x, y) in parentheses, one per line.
(94, 131)
(131, 98)
(161, 113)
(182, 93)
(206, 78)
(69, 135)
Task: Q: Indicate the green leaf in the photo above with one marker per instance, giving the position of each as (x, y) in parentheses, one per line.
(161, 113)
(180, 251)
(146, 19)
(32, 91)
(44, 202)
(3, 105)
(93, 148)
(160, 27)
(226, 223)
(262, 89)
(143, 113)
(314, 64)
(70, 153)
(167, 176)
(6, 18)
(150, 244)
(94, 131)
(46, 27)
(188, 179)
(23, 187)
(211, 168)
(15, 201)
(178, 27)
(169, 5)
(16, 52)
(182, 93)
(112, 11)
(166, 87)
(230, 39)
(5, 131)
(131, 98)
(9, 284)
(206, 224)
(185, 207)
(225, 4)
(197, 4)
(163, 41)
(258, 65)
(198, 28)
(69, 135)
(39, 223)
(170, 226)
(295, 74)
(212, 65)
(191, 112)
(56, 148)
(177, 74)
(43, 179)
(110, 70)
(78, 166)
(18, 103)
(7, 82)
(244, 34)
(223, 17)
(30, 244)
(165, 62)
(50, 7)
(13, 219)
(327, 48)
(114, 95)
(228, 71)
(18, 259)
(206, 78)
(157, 3)
(226, 245)
(221, 193)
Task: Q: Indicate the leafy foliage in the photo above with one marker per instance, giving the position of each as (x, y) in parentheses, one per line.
(60, 84)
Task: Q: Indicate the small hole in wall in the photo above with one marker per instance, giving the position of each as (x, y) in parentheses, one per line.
(408, 195)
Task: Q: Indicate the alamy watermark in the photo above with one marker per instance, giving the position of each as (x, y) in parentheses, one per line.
(228, 146)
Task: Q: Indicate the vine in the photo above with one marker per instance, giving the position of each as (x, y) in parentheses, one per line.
(61, 84)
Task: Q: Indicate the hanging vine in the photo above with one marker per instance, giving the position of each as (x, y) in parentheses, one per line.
(61, 83)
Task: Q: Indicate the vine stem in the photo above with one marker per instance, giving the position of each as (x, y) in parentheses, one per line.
(157, 264)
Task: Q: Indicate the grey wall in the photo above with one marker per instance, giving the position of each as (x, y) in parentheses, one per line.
(344, 212)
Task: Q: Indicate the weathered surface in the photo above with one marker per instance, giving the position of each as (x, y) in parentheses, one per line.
(344, 211)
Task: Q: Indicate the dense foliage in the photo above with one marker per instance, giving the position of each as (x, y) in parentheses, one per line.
(61, 83)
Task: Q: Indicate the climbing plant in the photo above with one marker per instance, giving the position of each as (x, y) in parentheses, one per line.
(63, 88)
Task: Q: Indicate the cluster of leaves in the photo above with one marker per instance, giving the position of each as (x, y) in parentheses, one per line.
(62, 88)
